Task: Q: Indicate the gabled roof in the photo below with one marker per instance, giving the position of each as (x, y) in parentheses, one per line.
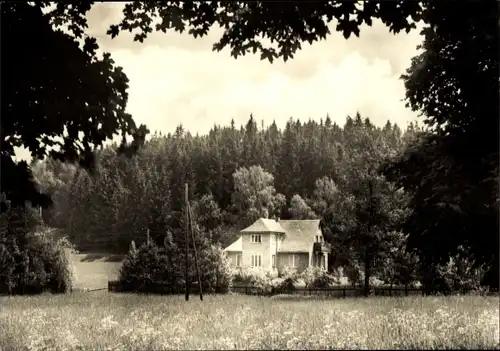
(299, 235)
(264, 225)
(236, 246)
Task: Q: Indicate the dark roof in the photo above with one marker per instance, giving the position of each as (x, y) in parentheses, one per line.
(299, 235)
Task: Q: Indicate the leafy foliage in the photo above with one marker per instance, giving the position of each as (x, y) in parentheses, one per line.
(324, 195)
(289, 272)
(144, 268)
(286, 285)
(318, 278)
(58, 99)
(364, 206)
(31, 260)
(454, 84)
(247, 24)
(254, 195)
(259, 279)
(299, 208)
(149, 266)
(215, 269)
(400, 266)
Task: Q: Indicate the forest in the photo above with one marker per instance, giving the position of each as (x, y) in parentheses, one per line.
(237, 175)
(234, 173)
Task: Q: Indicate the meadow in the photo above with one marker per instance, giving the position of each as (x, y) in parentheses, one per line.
(94, 270)
(106, 321)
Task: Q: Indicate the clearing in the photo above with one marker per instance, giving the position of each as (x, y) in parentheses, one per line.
(98, 320)
(94, 270)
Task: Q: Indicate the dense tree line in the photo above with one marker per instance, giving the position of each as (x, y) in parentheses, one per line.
(236, 175)
(308, 170)
(124, 196)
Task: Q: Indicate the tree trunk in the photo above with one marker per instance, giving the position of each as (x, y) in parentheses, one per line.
(367, 265)
(368, 255)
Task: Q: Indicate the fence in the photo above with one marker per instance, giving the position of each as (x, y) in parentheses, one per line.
(163, 289)
(337, 291)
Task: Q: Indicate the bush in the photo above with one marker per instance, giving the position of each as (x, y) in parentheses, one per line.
(376, 282)
(143, 268)
(215, 270)
(260, 279)
(318, 278)
(152, 269)
(290, 273)
(354, 274)
(457, 275)
(31, 262)
(287, 285)
(289, 278)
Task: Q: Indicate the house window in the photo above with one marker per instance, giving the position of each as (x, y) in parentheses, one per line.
(256, 238)
(273, 259)
(319, 238)
(293, 260)
(256, 261)
(238, 260)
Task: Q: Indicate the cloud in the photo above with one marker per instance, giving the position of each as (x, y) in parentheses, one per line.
(175, 78)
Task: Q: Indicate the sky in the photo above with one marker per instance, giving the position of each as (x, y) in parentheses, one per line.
(177, 79)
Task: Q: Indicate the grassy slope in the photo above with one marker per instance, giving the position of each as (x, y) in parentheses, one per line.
(93, 270)
(98, 320)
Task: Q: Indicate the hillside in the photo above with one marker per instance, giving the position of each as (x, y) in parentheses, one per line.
(94, 270)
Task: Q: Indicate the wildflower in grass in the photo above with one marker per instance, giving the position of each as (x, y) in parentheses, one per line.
(124, 322)
(108, 323)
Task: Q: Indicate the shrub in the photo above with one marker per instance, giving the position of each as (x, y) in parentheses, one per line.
(287, 285)
(457, 275)
(149, 267)
(318, 278)
(289, 278)
(259, 278)
(215, 270)
(134, 272)
(146, 268)
(289, 273)
(376, 282)
(354, 274)
(49, 267)
(31, 262)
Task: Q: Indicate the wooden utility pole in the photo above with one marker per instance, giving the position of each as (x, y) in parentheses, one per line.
(368, 255)
(195, 254)
(186, 225)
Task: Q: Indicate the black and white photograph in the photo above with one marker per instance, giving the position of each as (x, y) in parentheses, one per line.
(249, 175)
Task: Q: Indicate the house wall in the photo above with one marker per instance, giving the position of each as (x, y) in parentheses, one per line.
(232, 257)
(283, 261)
(263, 248)
(272, 249)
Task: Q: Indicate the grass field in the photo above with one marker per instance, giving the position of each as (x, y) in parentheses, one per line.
(100, 320)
